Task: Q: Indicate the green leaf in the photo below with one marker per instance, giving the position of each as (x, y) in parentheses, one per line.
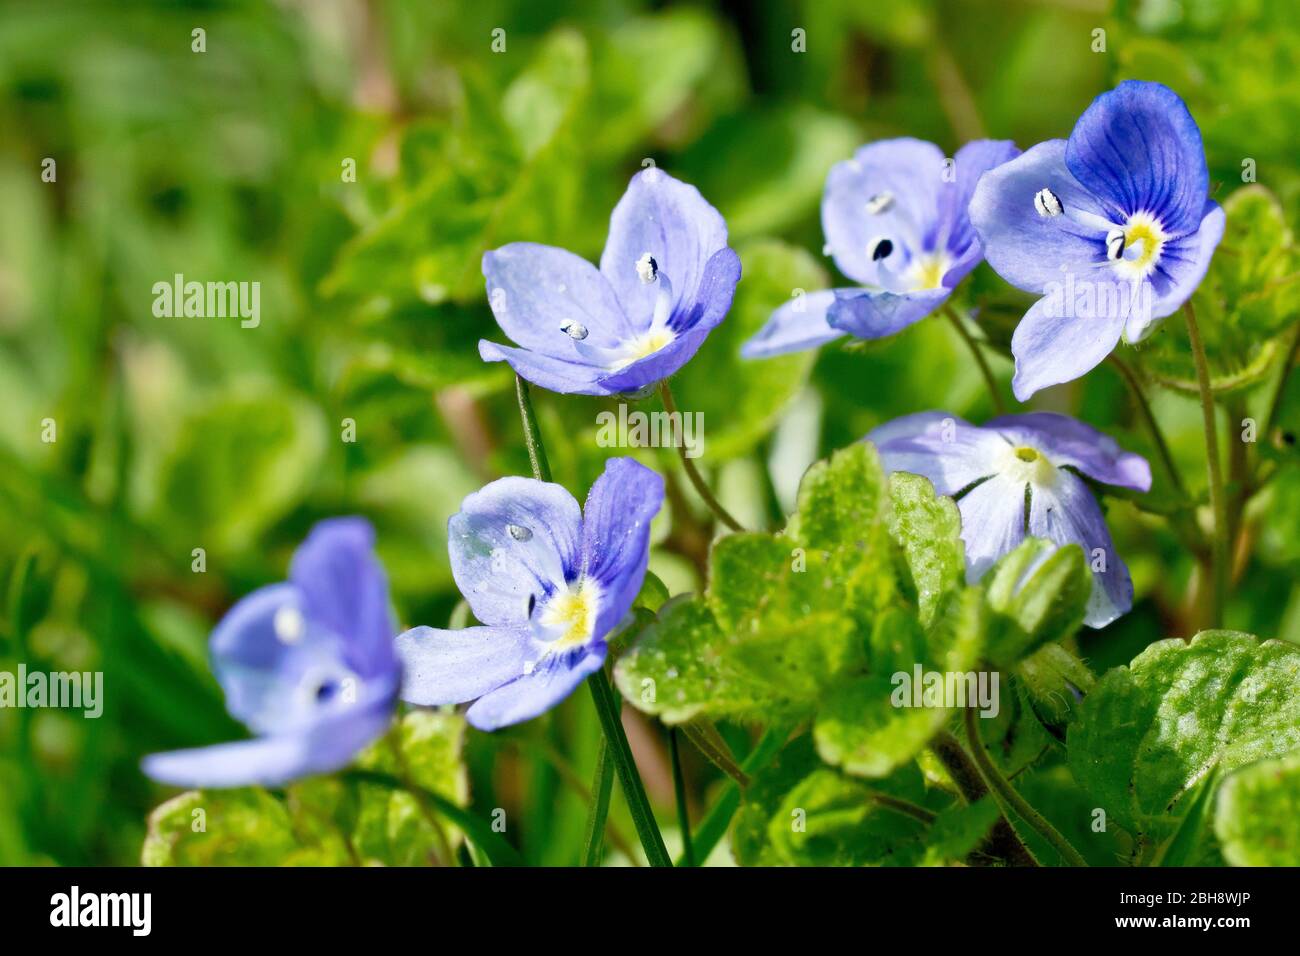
(958, 830)
(1149, 732)
(246, 827)
(871, 726)
(1054, 682)
(1257, 819)
(392, 827)
(740, 398)
(928, 527)
(1039, 595)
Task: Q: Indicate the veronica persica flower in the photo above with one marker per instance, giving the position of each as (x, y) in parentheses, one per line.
(666, 278)
(1018, 476)
(308, 665)
(1114, 227)
(895, 221)
(548, 582)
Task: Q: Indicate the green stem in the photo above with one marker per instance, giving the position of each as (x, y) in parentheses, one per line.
(601, 788)
(905, 807)
(532, 434)
(679, 795)
(980, 359)
(1218, 501)
(1002, 842)
(697, 480)
(1009, 796)
(608, 708)
(1144, 406)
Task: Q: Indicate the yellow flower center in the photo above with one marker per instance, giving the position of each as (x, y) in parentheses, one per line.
(927, 272)
(570, 613)
(1143, 241)
(1023, 463)
(644, 345)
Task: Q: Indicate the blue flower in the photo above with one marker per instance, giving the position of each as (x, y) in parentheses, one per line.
(895, 220)
(1113, 227)
(308, 665)
(666, 278)
(549, 584)
(1018, 476)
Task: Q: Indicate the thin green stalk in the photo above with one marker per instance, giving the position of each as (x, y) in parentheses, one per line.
(980, 359)
(1009, 796)
(905, 807)
(1144, 406)
(608, 708)
(532, 434)
(1218, 500)
(608, 703)
(697, 480)
(1002, 842)
(679, 795)
(601, 788)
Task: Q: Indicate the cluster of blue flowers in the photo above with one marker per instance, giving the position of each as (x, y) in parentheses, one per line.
(315, 666)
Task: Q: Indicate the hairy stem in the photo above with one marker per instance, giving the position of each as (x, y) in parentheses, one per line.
(1003, 842)
(1009, 796)
(980, 359)
(697, 480)
(532, 434)
(1218, 500)
(1144, 407)
(679, 795)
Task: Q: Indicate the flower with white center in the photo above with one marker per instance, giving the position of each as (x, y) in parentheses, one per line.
(895, 222)
(1018, 476)
(1113, 227)
(666, 278)
(548, 600)
(307, 664)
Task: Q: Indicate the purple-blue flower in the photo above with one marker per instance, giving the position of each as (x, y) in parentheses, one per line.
(548, 582)
(1018, 476)
(666, 278)
(1113, 227)
(307, 664)
(895, 221)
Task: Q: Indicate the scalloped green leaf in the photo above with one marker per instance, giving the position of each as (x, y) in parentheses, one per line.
(1257, 819)
(927, 526)
(1150, 731)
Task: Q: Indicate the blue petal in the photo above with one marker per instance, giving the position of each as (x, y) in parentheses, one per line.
(1184, 262)
(875, 315)
(556, 375)
(451, 667)
(672, 222)
(553, 679)
(275, 760)
(907, 171)
(345, 590)
(1138, 149)
(948, 450)
(797, 325)
(1028, 250)
(713, 298)
(1067, 441)
(992, 523)
(1052, 346)
(513, 542)
(1068, 514)
(656, 366)
(957, 235)
(536, 291)
(616, 535)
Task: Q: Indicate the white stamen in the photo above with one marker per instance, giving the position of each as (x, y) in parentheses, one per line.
(1047, 203)
(288, 624)
(880, 202)
(573, 330)
(1115, 245)
(647, 269)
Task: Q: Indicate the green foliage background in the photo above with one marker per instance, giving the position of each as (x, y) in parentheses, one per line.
(176, 434)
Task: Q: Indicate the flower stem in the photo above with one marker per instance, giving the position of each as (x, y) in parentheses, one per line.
(532, 434)
(608, 704)
(608, 708)
(697, 480)
(1003, 841)
(601, 788)
(1009, 796)
(906, 807)
(1144, 406)
(980, 359)
(1218, 500)
(679, 795)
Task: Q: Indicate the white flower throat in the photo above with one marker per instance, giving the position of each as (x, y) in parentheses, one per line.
(1132, 248)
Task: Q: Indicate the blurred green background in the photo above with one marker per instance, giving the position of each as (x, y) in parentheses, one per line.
(174, 434)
